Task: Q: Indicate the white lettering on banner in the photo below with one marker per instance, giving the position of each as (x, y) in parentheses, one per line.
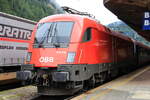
(146, 23)
(46, 59)
(14, 32)
(147, 15)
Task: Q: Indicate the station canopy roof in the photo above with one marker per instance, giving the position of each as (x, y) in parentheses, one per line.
(131, 12)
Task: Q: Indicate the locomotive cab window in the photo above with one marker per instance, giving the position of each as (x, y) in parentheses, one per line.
(54, 33)
(87, 35)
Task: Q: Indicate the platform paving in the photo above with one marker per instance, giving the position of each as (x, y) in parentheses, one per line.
(134, 86)
(23, 93)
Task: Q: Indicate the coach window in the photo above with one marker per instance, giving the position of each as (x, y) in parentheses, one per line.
(87, 35)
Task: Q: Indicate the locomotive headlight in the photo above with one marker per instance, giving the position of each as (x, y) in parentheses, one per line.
(71, 57)
(28, 56)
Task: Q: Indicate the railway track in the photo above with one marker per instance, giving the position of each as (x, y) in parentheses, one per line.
(10, 86)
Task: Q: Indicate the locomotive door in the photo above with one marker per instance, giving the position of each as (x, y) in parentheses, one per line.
(114, 49)
(89, 47)
(136, 54)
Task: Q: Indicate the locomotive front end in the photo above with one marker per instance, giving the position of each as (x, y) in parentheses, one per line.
(52, 57)
(51, 44)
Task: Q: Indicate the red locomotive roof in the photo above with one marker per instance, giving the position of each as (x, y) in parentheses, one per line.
(62, 17)
(80, 18)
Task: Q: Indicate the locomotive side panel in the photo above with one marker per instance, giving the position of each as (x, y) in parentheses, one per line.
(96, 45)
(99, 48)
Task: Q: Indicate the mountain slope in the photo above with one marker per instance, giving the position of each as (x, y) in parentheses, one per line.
(30, 9)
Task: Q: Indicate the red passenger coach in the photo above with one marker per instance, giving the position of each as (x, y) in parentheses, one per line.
(72, 52)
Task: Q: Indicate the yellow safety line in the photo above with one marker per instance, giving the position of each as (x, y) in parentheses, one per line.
(118, 84)
(15, 93)
(8, 97)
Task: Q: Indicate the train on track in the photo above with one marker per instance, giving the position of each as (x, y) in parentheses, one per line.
(71, 52)
(15, 35)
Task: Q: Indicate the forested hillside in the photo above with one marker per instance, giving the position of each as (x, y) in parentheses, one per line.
(30, 9)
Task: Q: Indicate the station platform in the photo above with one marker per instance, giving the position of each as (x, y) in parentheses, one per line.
(134, 86)
(22, 93)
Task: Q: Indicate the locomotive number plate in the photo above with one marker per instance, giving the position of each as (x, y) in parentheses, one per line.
(46, 59)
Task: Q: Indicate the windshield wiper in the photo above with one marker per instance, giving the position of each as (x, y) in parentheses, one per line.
(45, 38)
(57, 45)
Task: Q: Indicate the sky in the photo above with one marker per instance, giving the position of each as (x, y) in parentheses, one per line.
(94, 7)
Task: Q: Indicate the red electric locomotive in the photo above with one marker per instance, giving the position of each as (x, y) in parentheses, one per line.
(70, 52)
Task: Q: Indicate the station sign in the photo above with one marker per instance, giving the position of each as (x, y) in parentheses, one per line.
(146, 24)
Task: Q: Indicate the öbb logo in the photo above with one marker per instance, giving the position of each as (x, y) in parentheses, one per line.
(46, 59)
